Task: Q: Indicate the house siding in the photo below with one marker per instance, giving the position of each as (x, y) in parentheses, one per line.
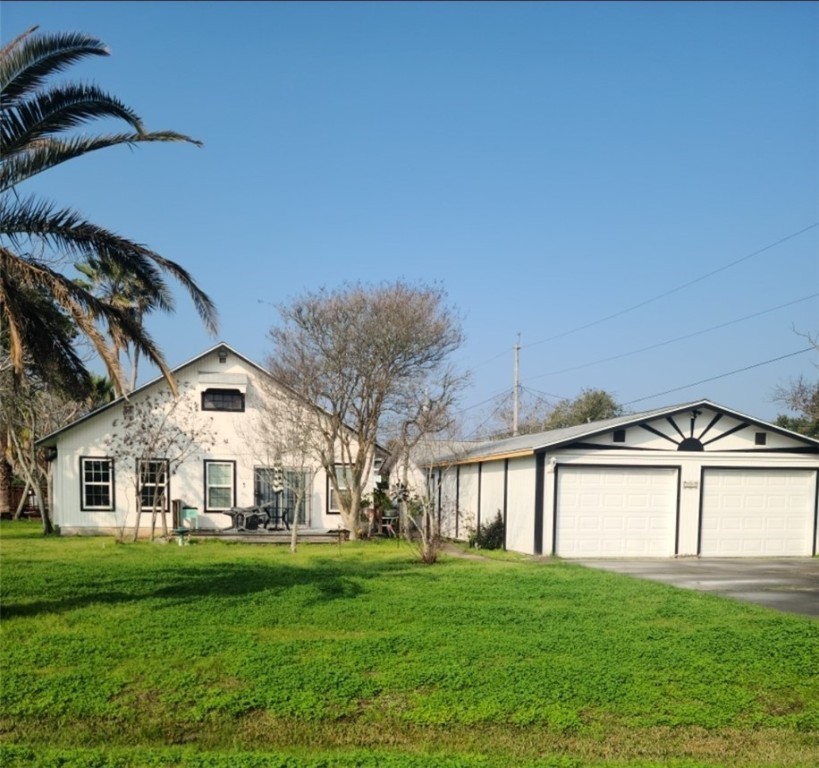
(235, 442)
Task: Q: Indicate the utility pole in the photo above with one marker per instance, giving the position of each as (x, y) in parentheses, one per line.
(516, 389)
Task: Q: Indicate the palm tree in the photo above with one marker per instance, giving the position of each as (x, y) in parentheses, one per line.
(122, 289)
(38, 240)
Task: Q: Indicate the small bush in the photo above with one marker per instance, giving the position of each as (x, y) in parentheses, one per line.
(489, 536)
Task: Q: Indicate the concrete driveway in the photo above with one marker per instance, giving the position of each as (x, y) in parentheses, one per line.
(789, 584)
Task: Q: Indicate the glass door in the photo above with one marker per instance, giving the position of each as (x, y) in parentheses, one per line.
(294, 485)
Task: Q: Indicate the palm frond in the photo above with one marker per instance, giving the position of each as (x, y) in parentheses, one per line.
(31, 220)
(38, 336)
(50, 152)
(57, 110)
(66, 231)
(31, 276)
(31, 58)
(110, 282)
(42, 311)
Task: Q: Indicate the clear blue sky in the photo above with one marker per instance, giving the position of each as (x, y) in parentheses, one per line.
(550, 164)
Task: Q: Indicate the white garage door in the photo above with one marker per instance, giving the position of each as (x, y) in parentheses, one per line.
(616, 512)
(757, 512)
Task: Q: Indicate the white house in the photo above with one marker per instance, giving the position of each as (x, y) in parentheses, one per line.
(229, 455)
(691, 479)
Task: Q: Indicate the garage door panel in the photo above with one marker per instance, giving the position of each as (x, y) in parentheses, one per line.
(616, 512)
(757, 512)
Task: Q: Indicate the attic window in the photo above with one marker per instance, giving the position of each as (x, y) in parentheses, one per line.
(618, 436)
(223, 400)
(761, 438)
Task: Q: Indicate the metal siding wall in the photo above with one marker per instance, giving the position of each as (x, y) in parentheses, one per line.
(491, 491)
(520, 518)
(468, 500)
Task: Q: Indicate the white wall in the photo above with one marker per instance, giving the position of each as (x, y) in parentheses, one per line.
(237, 440)
(467, 500)
(492, 480)
(520, 505)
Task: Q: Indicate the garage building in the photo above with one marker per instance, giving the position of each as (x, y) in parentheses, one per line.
(691, 479)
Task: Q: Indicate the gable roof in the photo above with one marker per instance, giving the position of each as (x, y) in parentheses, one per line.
(50, 439)
(537, 442)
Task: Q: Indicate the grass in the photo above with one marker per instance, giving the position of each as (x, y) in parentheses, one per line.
(215, 655)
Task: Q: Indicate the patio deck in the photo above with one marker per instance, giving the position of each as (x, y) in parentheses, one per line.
(262, 536)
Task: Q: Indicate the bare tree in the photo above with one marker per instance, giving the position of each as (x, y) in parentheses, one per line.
(154, 437)
(538, 414)
(498, 421)
(353, 355)
(30, 409)
(427, 414)
(423, 470)
(801, 397)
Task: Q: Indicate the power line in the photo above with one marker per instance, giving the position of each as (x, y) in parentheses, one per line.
(642, 304)
(543, 396)
(484, 402)
(674, 340)
(678, 288)
(646, 397)
(721, 376)
(476, 431)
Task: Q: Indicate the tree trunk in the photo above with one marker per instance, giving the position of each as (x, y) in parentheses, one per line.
(5, 476)
(294, 525)
(405, 525)
(48, 529)
(132, 383)
(138, 518)
(351, 521)
(50, 494)
(18, 513)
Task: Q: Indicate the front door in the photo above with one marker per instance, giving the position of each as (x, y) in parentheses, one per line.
(294, 487)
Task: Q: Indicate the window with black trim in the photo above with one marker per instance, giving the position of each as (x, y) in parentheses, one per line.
(345, 479)
(220, 485)
(153, 484)
(761, 438)
(223, 400)
(96, 484)
(618, 436)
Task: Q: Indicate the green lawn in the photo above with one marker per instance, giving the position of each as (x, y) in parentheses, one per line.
(244, 655)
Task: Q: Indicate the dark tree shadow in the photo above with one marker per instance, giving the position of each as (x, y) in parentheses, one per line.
(331, 579)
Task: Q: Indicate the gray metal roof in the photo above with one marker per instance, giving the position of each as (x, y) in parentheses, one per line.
(553, 438)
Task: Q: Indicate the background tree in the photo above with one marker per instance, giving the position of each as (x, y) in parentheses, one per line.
(160, 428)
(800, 397)
(537, 415)
(29, 409)
(38, 240)
(120, 288)
(43, 400)
(353, 355)
(533, 410)
(590, 405)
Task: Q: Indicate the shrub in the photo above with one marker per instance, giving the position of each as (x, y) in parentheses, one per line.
(489, 536)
